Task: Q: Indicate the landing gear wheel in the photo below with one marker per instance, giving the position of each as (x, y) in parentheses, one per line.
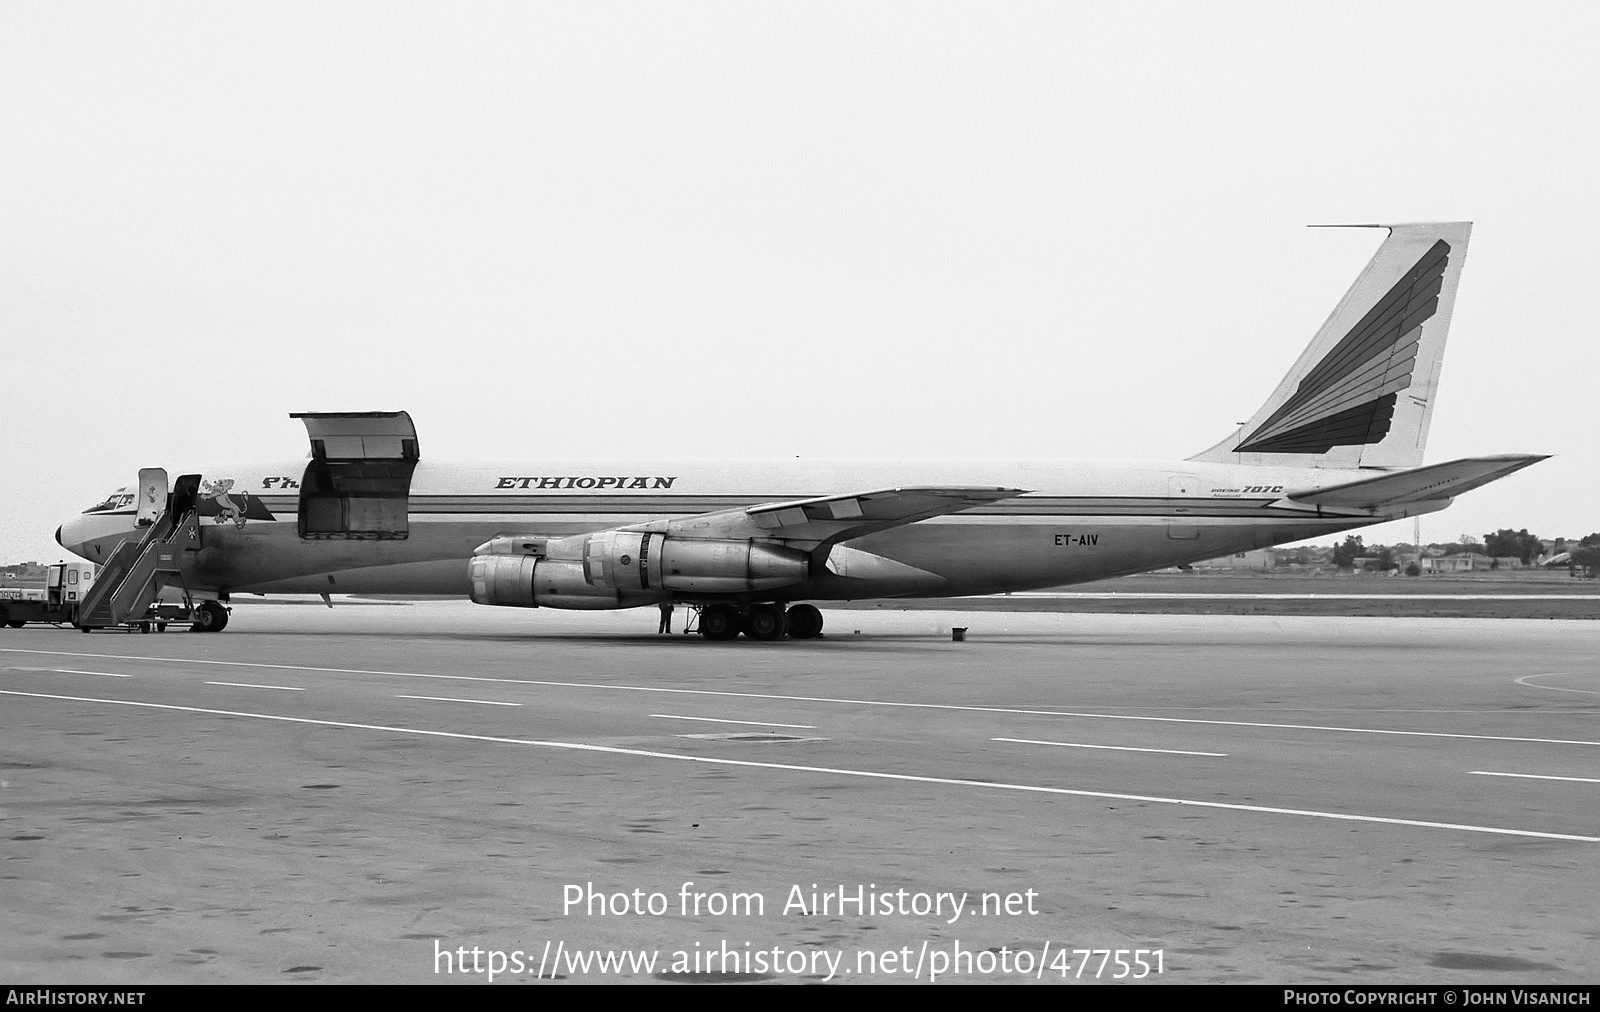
(144, 627)
(719, 622)
(209, 616)
(765, 622)
(805, 622)
(161, 627)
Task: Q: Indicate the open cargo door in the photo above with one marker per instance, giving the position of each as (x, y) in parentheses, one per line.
(357, 485)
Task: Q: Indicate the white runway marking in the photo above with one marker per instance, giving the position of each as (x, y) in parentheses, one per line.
(1530, 683)
(1534, 776)
(249, 685)
(105, 674)
(1115, 748)
(452, 699)
(1114, 596)
(756, 737)
(826, 699)
(869, 774)
(719, 720)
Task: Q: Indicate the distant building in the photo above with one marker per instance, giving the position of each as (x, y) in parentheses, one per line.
(1261, 560)
(1464, 562)
(1373, 564)
(22, 572)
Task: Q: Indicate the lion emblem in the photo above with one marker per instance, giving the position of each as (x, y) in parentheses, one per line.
(228, 508)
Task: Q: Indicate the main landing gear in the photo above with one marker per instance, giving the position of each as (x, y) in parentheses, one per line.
(764, 622)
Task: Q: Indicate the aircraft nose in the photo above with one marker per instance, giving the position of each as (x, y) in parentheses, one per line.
(72, 536)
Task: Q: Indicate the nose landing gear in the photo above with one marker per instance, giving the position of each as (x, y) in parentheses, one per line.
(209, 616)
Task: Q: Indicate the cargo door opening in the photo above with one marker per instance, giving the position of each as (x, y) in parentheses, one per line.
(357, 485)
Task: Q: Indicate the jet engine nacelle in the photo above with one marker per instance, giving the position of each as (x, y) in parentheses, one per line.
(625, 569)
(529, 582)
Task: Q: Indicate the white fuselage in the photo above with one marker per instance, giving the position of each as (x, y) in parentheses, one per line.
(1078, 521)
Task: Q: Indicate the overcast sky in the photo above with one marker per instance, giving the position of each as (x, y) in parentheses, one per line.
(854, 229)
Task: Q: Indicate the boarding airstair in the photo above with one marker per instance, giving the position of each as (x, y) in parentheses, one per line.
(130, 580)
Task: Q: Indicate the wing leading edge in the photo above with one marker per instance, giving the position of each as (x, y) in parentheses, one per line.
(828, 520)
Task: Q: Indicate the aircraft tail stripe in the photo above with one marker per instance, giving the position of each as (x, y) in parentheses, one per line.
(1364, 423)
(1415, 296)
(1342, 398)
(1403, 309)
(1338, 400)
(1407, 305)
(1370, 383)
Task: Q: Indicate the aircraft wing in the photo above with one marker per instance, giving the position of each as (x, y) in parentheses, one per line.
(830, 519)
(1419, 484)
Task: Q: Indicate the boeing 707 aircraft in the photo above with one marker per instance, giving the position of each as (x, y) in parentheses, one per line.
(751, 543)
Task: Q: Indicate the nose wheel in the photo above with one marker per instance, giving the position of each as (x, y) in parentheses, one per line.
(209, 616)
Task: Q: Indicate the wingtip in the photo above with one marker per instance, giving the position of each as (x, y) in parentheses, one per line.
(1523, 459)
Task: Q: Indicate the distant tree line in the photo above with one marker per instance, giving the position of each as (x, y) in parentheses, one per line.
(1346, 554)
(1502, 544)
(1506, 543)
(1587, 553)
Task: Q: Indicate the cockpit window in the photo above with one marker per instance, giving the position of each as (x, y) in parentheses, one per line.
(121, 499)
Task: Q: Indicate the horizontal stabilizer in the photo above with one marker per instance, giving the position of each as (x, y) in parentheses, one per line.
(1436, 481)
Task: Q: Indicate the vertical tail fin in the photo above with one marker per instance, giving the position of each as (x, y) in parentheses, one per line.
(1361, 395)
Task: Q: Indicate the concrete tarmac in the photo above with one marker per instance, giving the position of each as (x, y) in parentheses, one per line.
(369, 793)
